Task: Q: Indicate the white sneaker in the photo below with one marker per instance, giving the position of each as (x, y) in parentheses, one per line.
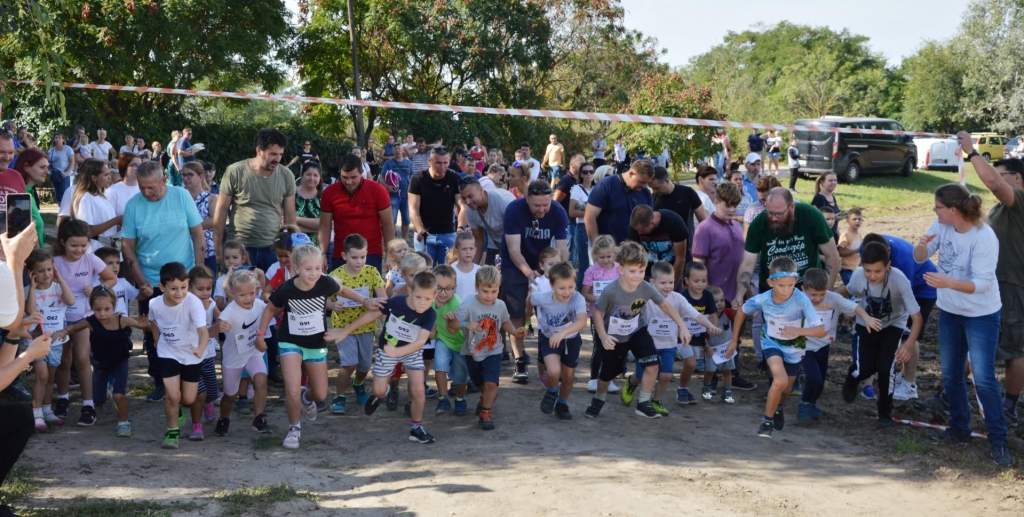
(613, 388)
(904, 390)
(291, 440)
(592, 386)
(310, 411)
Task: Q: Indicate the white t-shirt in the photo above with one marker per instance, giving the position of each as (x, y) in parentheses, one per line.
(119, 193)
(487, 184)
(240, 341)
(829, 311)
(124, 291)
(663, 330)
(178, 327)
(465, 283)
(94, 210)
(971, 255)
(90, 150)
(706, 202)
(579, 195)
(101, 151)
(534, 169)
(211, 347)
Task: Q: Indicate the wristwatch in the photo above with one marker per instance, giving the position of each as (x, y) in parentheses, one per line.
(972, 154)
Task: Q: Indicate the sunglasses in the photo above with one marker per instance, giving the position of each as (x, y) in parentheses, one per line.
(587, 171)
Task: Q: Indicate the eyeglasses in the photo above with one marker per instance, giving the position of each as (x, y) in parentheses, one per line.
(777, 215)
(586, 171)
(445, 289)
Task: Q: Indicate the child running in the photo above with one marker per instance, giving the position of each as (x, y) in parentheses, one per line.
(695, 276)
(621, 324)
(355, 353)
(178, 323)
(465, 268)
(717, 346)
(409, 320)
(449, 363)
(235, 259)
(830, 306)
(602, 272)
(789, 318)
(200, 282)
(81, 269)
(110, 337)
(242, 352)
(50, 296)
(561, 315)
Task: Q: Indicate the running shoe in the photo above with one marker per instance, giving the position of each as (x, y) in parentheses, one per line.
(51, 418)
(371, 405)
(171, 439)
(779, 420)
(259, 424)
(41, 426)
(210, 413)
(392, 399)
(291, 440)
(766, 428)
(197, 433)
(124, 429)
(628, 393)
(562, 411)
(419, 434)
(594, 409)
(646, 409)
(727, 397)
(60, 408)
(707, 393)
(868, 392)
(486, 420)
(519, 374)
(223, 424)
(443, 406)
(659, 408)
(310, 411)
(460, 407)
(361, 395)
(338, 405)
(87, 417)
(547, 403)
(739, 383)
(684, 397)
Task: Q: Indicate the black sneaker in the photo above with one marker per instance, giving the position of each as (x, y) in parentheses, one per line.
(372, 404)
(60, 408)
(646, 409)
(259, 424)
(392, 401)
(87, 417)
(547, 404)
(779, 420)
(766, 428)
(562, 411)
(594, 409)
(420, 435)
(519, 375)
(739, 383)
(223, 424)
(850, 389)
(1001, 456)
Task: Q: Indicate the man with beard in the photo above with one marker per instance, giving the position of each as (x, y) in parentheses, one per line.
(262, 191)
(785, 228)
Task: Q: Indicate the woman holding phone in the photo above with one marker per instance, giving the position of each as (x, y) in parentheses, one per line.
(34, 167)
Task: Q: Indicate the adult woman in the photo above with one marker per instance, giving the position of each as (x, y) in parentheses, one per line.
(173, 166)
(774, 143)
(194, 180)
(518, 178)
(34, 167)
(478, 152)
(401, 166)
(89, 204)
(307, 199)
(969, 311)
(707, 181)
(825, 195)
(578, 196)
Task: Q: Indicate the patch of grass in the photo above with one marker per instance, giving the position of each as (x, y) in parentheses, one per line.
(140, 390)
(18, 486)
(910, 445)
(88, 507)
(246, 500)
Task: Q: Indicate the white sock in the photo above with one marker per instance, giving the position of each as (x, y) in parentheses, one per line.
(88, 402)
(37, 412)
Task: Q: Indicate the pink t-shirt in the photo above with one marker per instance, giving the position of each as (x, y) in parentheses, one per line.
(80, 276)
(599, 277)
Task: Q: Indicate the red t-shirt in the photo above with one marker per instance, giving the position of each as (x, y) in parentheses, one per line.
(11, 182)
(358, 212)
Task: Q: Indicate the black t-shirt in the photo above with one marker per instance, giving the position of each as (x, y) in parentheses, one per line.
(704, 305)
(109, 347)
(304, 320)
(682, 200)
(564, 186)
(820, 201)
(660, 242)
(437, 200)
(398, 308)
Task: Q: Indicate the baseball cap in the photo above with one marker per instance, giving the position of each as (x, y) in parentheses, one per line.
(300, 239)
(752, 157)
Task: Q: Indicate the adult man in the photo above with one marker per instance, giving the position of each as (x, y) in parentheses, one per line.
(485, 214)
(11, 181)
(263, 194)
(433, 203)
(599, 146)
(62, 162)
(612, 201)
(530, 225)
(530, 161)
(307, 154)
(785, 228)
(102, 149)
(421, 157)
(753, 166)
(663, 234)
(554, 154)
(681, 199)
(185, 151)
(356, 205)
(1005, 178)
(756, 144)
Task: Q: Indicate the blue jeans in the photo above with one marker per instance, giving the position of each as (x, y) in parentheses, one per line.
(976, 337)
(59, 184)
(400, 205)
(720, 164)
(580, 256)
(815, 366)
(437, 246)
(262, 258)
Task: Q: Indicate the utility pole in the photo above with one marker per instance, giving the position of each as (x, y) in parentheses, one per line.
(356, 87)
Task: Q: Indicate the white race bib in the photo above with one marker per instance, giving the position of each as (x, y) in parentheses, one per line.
(245, 342)
(826, 317)
(305, 324)
(599, 286)
(402, 330)
(694, 327)
(348, 303)
(622, 327)
(719, 353)
(53, 320)
(171, 334)
(663, 328)
(775, 328)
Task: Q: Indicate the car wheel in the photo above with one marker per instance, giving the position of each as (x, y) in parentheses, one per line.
(851, 174)
(907, 169)
(987, 157)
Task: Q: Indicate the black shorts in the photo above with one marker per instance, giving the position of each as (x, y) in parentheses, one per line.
(613, 362)
(568, 353)
(428, 353)
(171, 368)
(514, 288)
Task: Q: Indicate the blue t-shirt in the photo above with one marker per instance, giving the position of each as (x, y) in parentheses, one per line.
(160, 232)
(901, 255)
(404, 170)
(185, 145)
(397, 307)
(616, 202)
(535, 234)
(797, 311)
(60, 158)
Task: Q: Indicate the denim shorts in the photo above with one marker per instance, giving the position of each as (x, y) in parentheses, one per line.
(451, 362)
(309, 355)
(357, 350)
(486, 370)
(792, 369)
(116, 375)
(666, 360)
(568, 353)
(56, 353)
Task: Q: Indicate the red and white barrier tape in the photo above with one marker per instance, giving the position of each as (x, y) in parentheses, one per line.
(517, 112)
(925, 425)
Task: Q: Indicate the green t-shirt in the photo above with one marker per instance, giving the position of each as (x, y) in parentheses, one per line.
(452, 341)
(257, 201)
(1008, 223)
(809, 231)
(36, 216)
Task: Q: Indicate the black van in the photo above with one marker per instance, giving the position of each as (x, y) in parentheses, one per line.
(853, 154)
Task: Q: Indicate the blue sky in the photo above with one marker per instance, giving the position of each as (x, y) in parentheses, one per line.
(896, 28)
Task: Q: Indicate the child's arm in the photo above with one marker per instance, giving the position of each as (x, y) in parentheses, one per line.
(62, 333)
(607, 341)
(684, 331)
(577, 326)
(204, 341)
(908, 349)
(269, 313)
(139, 322)
(870, 323)
(389, 287)
(370, 303)
(66, 294)
(588, 293)
(452, 320)
(380, 292)
(518, 332)
(370, 316)
(737, 328)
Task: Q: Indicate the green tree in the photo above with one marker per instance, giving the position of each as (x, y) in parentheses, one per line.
(934, 93)
(992, 39)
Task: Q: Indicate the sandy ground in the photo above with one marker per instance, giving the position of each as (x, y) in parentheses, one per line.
(704, 458)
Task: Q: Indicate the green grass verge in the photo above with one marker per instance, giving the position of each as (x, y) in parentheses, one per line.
(89, 507)
(18, 486)
(911, 445)
(246, 501)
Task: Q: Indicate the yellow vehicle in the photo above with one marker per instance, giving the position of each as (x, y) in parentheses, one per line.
(991, 146)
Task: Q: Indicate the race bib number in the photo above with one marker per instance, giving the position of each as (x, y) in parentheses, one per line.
(401, 330)
(171, 334)
(305, 324)
(718, 356)
(599, 286)
(245, 342)
(694, 327)
(663, 328)
(826, 318)
(775, 328)
(348, 303)
(53, 320)
(623, 327)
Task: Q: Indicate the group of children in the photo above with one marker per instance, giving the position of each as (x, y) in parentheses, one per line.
(447, 318)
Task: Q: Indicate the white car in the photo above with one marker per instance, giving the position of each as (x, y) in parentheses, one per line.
(938, 153)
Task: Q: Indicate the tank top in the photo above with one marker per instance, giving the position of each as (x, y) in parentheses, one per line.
(109, 347)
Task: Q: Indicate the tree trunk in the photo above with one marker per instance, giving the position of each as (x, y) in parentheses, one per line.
(357, 111)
